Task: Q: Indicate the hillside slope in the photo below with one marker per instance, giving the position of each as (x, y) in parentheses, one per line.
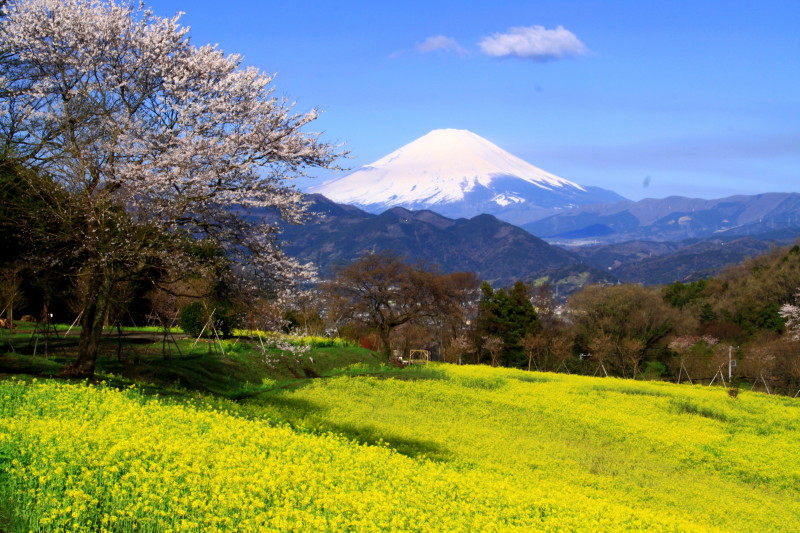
(450, 448)
(654, 263)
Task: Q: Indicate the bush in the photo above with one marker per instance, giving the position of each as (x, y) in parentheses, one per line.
(193, 319)
(224, 320)
(654, 370)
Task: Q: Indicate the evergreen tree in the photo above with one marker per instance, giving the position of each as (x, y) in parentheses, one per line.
(510, 316)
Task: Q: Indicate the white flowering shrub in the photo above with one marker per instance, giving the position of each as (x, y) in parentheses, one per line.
(791, 315)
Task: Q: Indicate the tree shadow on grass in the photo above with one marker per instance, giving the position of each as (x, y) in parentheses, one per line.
(307, 416)
(372, 436)
(29, 364)
(212, 375)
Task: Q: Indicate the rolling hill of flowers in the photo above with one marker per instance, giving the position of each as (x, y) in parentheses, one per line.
(444, 448)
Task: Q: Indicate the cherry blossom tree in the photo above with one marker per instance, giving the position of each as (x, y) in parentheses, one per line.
(150, 135)
(791, 315)
(494, 345)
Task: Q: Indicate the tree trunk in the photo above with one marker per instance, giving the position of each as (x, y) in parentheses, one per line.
(385, 333)
(91, 326)
(164, 342)
(119, 342)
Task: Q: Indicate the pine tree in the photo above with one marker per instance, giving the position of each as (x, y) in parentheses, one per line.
(510, 316)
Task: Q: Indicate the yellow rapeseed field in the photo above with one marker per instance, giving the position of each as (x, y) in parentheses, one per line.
(477, 449)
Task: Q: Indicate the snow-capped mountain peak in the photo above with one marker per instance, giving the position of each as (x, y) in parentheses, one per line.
(454, 172)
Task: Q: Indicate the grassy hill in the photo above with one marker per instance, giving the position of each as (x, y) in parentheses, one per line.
(432, 448)
(230, 368)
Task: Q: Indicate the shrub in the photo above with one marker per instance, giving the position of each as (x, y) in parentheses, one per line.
(224, 319)
(654, 370)
(193, 319)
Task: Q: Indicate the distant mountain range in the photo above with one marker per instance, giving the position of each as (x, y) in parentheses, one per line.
(671, 219)
(502, 253)
(460, 174)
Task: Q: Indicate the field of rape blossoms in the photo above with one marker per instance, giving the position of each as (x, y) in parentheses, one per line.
(465, 449)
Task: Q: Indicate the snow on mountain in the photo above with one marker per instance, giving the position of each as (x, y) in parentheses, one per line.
(439, 167)
(458, 173)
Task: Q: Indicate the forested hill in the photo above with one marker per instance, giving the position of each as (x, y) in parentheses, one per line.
(493, 249)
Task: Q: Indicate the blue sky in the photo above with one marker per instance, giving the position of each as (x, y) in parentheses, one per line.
(646, 98)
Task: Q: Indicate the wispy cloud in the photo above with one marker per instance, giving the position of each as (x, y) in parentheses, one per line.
(443, 43)
(535, 43)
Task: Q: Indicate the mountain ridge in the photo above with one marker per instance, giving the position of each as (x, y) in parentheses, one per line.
(495, 250)
(674, 218)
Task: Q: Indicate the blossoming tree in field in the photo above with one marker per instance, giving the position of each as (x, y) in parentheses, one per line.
(791, 314)
(149, 135)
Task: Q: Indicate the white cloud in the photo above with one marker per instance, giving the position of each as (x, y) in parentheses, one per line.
(441, 42)
(535, 42)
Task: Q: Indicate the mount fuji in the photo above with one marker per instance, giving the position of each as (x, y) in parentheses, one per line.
(459, 174)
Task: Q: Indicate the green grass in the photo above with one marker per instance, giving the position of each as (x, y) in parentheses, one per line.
(229, 367)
